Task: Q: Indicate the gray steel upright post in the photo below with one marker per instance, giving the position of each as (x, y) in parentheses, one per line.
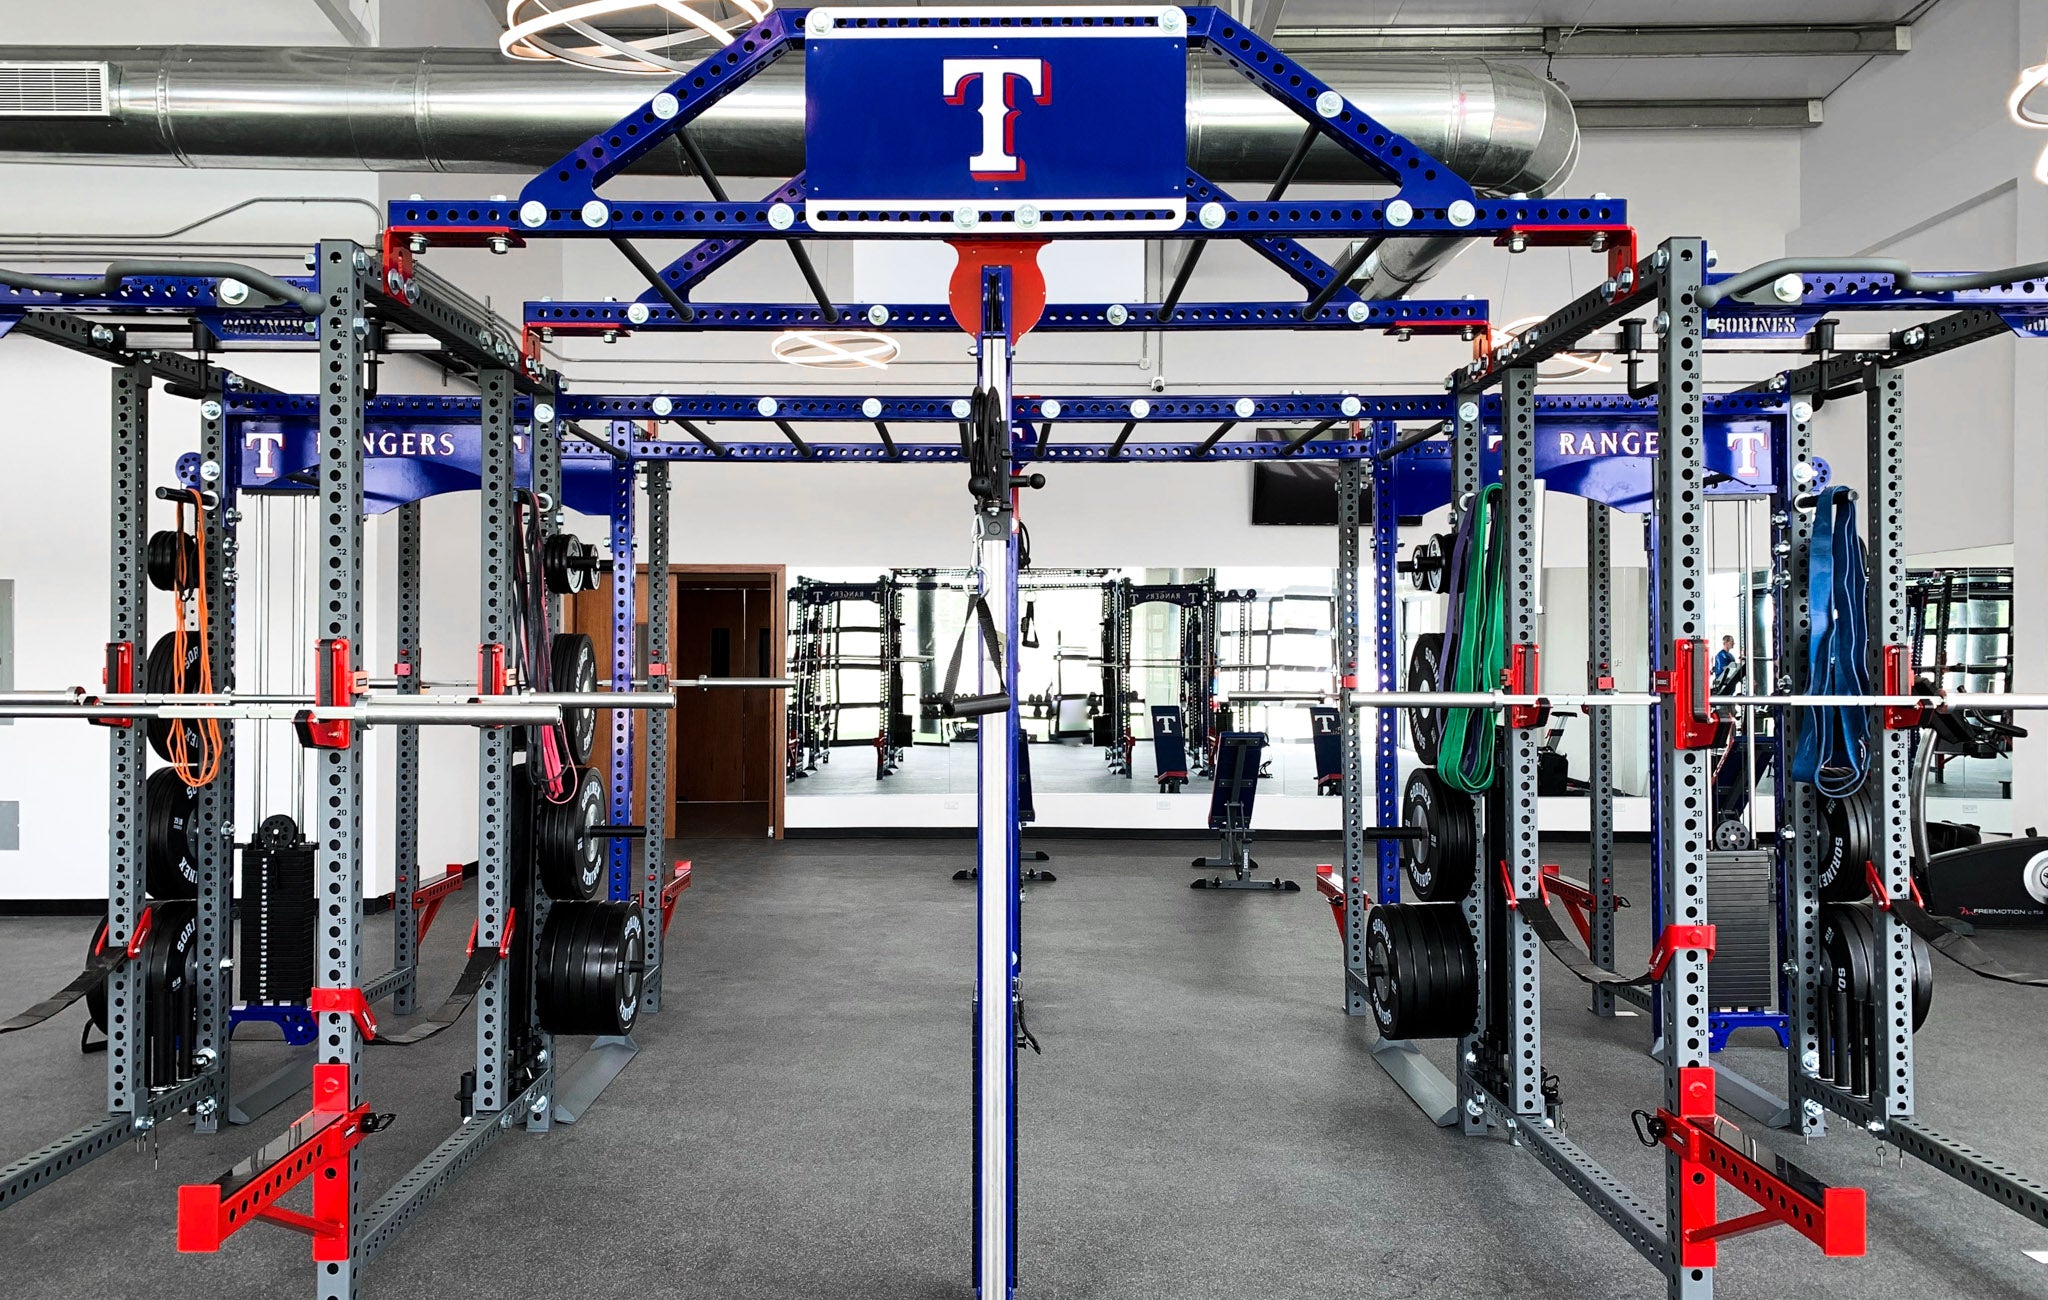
(1466, 433)
(1798, 814)
(1350, 480)
(545, 448)
(212, 831)
(1885, 395)
(494, 1039)
(338, 878)
(1518, 774)
(1600, 745)
(1682, 795)
(659, 670)
(128, 620)
(405, 919)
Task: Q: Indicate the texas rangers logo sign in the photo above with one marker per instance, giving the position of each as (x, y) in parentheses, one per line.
(995, 121)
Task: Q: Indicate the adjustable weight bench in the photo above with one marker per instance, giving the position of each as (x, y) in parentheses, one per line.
(1324, 729)
(1169, 748)
(1238, 754)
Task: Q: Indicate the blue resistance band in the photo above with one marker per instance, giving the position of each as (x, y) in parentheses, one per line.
(1834, 741)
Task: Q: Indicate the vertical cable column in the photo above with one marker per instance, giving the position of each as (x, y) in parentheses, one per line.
(494, 901)
(1465, 444)
(1518, 772)
(128, 620)
(655, 814)
(1350, 478)
(213, 832)
(1600, 745)
(625, 663)
(405, 921)
(1798, 816)
(1891, 764)
(545, 448)
(1681, 793)
(338, 588)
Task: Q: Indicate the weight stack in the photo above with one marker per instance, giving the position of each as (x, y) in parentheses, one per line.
(1739, 904)
(276, 951)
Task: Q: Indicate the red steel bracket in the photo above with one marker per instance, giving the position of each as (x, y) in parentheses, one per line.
(1677, 939)
(504, 940)
(1331, 886)
(1834, 1221)
(348, 1002)
(492, 675)
(1522, 679)
(673, 890)
(333, 687)
(1898, 680)
(397, 265)
(1578, 899)
(210, 1213)
(1693, 720)
(1507, 884)
(119, 678)
(429, 897)
(142, 924)
(1882, 896)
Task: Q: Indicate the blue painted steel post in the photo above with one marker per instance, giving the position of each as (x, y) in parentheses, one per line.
(625, 662)
(996, 877)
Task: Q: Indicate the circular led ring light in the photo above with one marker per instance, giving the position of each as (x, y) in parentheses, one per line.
(2024, 114)
(535, 30)
(836, 349)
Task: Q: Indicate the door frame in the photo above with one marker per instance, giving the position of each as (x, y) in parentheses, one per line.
(777, 578)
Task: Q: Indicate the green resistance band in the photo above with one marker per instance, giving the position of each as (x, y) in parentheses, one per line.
(1465, 755)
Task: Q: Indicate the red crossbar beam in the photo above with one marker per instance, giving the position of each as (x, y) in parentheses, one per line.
(208, 1214)
(1835, 1222)
(1331, 886)
(1578, 900)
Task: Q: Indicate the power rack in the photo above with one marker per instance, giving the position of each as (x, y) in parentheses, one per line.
(356, 301)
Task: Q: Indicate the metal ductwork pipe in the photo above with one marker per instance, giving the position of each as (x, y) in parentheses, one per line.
(1504, 129)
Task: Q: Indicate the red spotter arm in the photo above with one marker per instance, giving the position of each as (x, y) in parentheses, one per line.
(1331, 886)
(1523, 676)
(334, 686)
(1693, 720)
(1898, 680)
(427, 899)
(673, 890)
(1830, 1217)
(316, 1147)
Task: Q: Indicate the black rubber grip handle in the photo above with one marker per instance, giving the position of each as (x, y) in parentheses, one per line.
(615, 833)
(973, 706)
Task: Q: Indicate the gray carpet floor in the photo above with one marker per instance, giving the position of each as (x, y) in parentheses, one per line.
(1204, 1122)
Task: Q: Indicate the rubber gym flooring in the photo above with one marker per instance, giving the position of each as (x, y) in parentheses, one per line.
(1204, 1122)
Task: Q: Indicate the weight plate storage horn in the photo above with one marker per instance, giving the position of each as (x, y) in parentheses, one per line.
(158, 678)
(590, 960)
(571, 859)
(1440, 867)
(1425, 726)
(1422, 970)
(572, 666)
(170, 868)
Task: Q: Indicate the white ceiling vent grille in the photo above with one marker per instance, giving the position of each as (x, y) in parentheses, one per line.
(53, 89)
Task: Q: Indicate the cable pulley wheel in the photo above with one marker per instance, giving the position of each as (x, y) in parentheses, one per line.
(572, 666)
(159, 678)
(170, 866)
(1427, 565)
(570, 858)
(1425, 726)
(1422, 970)
(1848, 843)
(160, 560)
(1441, 866)
(591, 956)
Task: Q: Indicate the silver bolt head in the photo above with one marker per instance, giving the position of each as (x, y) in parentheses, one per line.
(209, 471)
(209, 409)
(1329, 104)
(500, 245)
(1607, 290)
(1117, 313)
(394, 280)
(1809, 1061)
(1802, 412)
(871, 408)
(533, 213)
(1357, 313)
(1026, 215)
(1915, 337)
(665, 106)
(966, 216)
(1244, 408)
(637, 313)
(1140, 408)
(1660, 259)
(596, 214)
(416, 244)
(1210, 215)
(961, 408)
(1663, 324)
(232, 292)
(1789, 287)
(819, 23)
(1468, 412)
(661, 406)
(767, 406)
(1400, 212)
(1474, 1107)
(1171, 21)
(781, 216)
(878, 315)
(1050, 408)
(1349, 406)
(1461, 212)
(543, 413)
(1518, 244)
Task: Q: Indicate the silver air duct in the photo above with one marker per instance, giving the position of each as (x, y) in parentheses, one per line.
(457, 110)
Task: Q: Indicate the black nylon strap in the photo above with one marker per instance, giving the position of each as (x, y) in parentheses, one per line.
(1960, 948)
(1574, 959)
(97, 967)
(949, 703)
(481, 963)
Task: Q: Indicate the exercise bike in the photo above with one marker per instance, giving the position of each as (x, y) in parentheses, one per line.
(1979, 882)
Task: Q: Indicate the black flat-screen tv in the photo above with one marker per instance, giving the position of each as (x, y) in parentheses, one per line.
(1299, 492)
